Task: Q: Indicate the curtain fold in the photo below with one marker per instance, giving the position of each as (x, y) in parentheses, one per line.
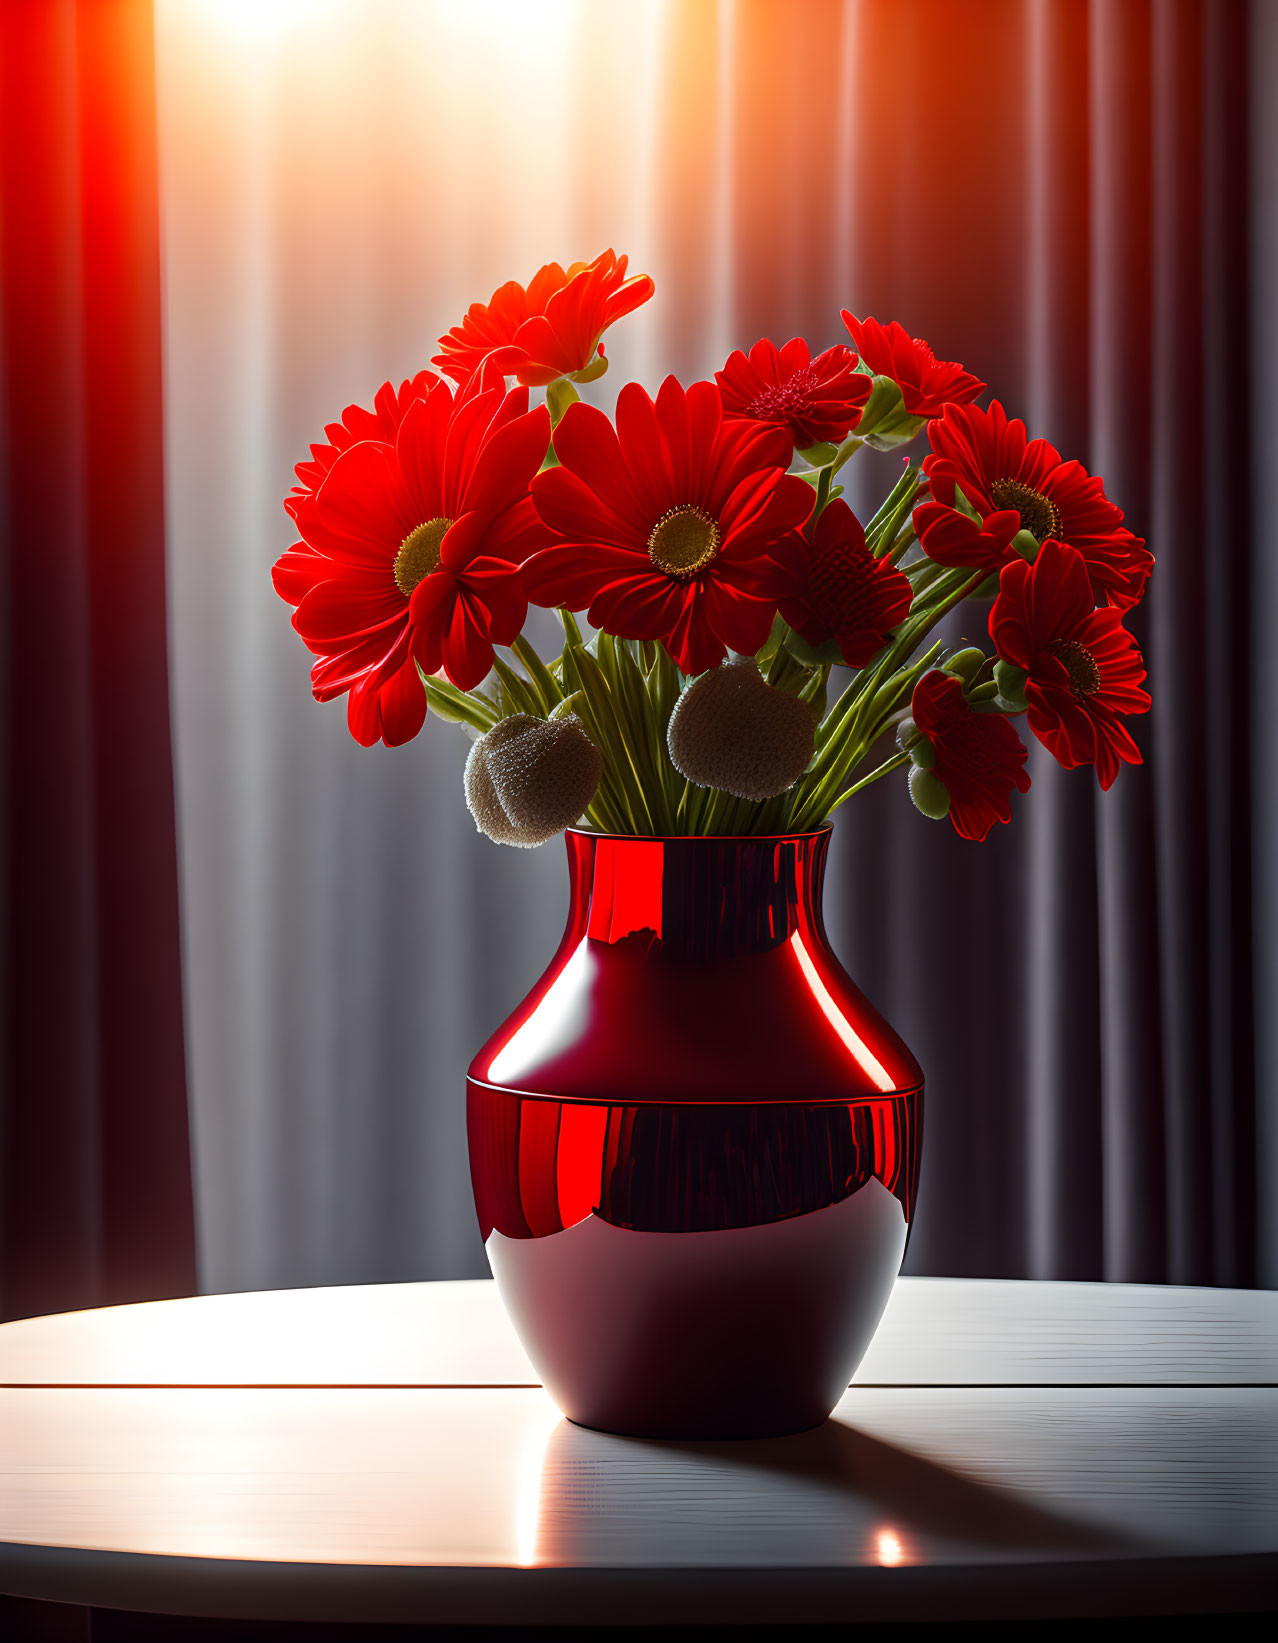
(1066, 195)
(95, 1179)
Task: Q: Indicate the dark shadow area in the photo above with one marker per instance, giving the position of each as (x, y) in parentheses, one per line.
(26, 1622)
(924, 1499)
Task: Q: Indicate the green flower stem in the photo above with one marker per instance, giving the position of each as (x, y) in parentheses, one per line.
(849, 448)
(894, 763)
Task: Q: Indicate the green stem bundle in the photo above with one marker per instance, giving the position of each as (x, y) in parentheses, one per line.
(625, 690)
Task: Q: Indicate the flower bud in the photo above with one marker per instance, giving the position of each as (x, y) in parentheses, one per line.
(906, 732)
(922, 753)
(528, 778)
(965, 662)
(733, 731)
(930, 794)
(885, 423)
(1010, 680)
(1026, 544)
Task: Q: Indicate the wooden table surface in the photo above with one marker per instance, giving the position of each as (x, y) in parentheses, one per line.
(385, 1454)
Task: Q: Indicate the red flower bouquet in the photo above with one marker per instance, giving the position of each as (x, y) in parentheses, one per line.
(696, 1136)
(701, 532)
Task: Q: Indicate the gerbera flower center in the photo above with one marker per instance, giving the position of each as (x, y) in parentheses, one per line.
(1080, 664)
(1039, 514)
(683, 541)
(419, 554)
(782, 400)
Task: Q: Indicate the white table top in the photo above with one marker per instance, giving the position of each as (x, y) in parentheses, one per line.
(385, 1453)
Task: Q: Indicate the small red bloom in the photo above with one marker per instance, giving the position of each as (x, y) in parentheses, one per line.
(927, 384)
(382, 422)
(1085, 670)
(1002, 472)
(551, 329)
(817, 399)
(675, 526)
(979, 757)
(951, 538)
(410, 554)
(843, 592)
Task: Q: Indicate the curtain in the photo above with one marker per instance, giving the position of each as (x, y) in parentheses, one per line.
(1063, 195)
(95, 1180)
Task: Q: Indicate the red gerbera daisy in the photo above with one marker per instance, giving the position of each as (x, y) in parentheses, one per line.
(979, 757)
(817, 400)
(844, 593)
(410, 554)
(1084, 669)
(927, 384)
(382, 422)
(676, 526)
(551, 329)
(1000, 471)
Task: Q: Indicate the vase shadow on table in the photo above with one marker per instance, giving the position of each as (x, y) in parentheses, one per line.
(833, 1492)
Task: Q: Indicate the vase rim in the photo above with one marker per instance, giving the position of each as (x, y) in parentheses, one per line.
(703, 838)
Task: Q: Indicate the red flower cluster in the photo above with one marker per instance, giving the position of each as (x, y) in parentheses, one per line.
(675, 525)
(428, 523)
(410, 554)
(815, 400)
(550, 329)
(1014, 483)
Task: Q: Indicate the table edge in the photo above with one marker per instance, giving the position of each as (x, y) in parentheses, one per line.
(230, 1589)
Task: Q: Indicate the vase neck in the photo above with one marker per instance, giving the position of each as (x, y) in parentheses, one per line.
(699, 897)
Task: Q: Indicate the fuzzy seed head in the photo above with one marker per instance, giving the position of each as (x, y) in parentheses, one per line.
(733, 731)
(528, 779)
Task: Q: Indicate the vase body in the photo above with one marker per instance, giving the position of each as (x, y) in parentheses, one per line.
(695, 1146)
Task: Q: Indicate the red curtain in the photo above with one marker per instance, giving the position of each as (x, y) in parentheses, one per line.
(95, 1180)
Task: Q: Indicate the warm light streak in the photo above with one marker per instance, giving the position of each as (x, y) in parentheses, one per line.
(888, 1548)
(528, 1483)
(258, 20)
(861, 1053)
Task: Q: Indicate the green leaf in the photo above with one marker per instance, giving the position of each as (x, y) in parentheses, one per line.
(517, 692)
(540, 675)
(569, 705)
(455, 706)
(780, 627)
(812, 655)
(817, 456)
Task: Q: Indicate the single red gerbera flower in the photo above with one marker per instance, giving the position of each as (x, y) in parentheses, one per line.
(927, 384)
(551, 329)
(1084, 670)
(410, 555)
(817, 400)
(979, 757)
(675, 526)
(382, 422)
(1000, 471)
(844, 593)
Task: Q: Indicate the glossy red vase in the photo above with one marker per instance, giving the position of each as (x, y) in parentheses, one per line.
(695, 1146)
